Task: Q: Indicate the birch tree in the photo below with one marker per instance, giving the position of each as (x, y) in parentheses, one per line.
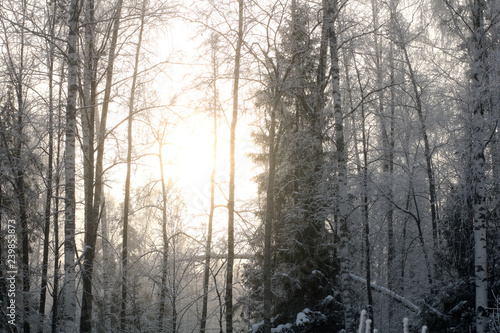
(69, 166)
(341, 160)
(479, 80)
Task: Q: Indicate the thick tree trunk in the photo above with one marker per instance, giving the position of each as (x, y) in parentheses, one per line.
(478, 173)
(69, 165)
(232, 169)
(341, 157)
(88, 129)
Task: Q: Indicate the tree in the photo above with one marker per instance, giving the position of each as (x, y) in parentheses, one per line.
(341, 161)
(479, 92)
(232, 167)
(208, 248)
(69, 166)
(126, 205)
(50, 163)
(295, 186)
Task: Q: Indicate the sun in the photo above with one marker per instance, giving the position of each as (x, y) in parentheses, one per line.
(189, 159)
(194, 159)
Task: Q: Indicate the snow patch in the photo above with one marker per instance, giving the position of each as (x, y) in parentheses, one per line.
(327, 300)
(255, 327)
(281, 327)
(302, 317)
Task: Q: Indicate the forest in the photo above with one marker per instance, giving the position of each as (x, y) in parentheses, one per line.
(263, 166)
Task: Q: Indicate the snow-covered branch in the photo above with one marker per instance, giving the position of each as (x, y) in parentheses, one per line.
(406, 302)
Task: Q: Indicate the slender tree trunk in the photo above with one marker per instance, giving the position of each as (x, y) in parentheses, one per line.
(69, 165)
(366, 219)
(107, 263)
(232, 163)
(126, 206)
(427, 151)
(388, 167)
(3, 285)
(55, 287)
(99, 211)
(418, 222)
(268, 227)
(208, 247)
(17, 80)
(174, 306)
(163, 290)
(23, 216)
(48, 199)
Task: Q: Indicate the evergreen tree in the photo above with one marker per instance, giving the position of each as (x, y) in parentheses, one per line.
(303, 262)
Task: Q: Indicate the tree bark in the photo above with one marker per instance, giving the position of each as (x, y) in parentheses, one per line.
(208, 247)
(427, 152)
(48, 199)
(341, 157)
(69, 165)
(126, 205)
(163, 290)
(478, 173)
(55, 287)
(268, 227)
(366, 211)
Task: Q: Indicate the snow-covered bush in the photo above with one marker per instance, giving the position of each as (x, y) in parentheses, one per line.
(325, 318)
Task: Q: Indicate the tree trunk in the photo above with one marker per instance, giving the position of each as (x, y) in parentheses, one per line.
(126, 205)
(341, 157)
(208, 247)
(366, 219)
(268, 229)
(427, 153)
(163, 290)
(88, 129)
(55, 287)
(48, 199)
(479, 83)
(69, 165)
(232, 163)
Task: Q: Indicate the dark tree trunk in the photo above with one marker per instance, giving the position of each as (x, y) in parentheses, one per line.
(232, 163)
(208, 247)
(126, 205)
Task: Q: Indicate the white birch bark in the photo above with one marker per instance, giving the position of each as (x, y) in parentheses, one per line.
(343, 205)
(69, 309)
(479, 81)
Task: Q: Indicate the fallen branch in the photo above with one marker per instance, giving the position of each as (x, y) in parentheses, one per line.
(406, 302)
